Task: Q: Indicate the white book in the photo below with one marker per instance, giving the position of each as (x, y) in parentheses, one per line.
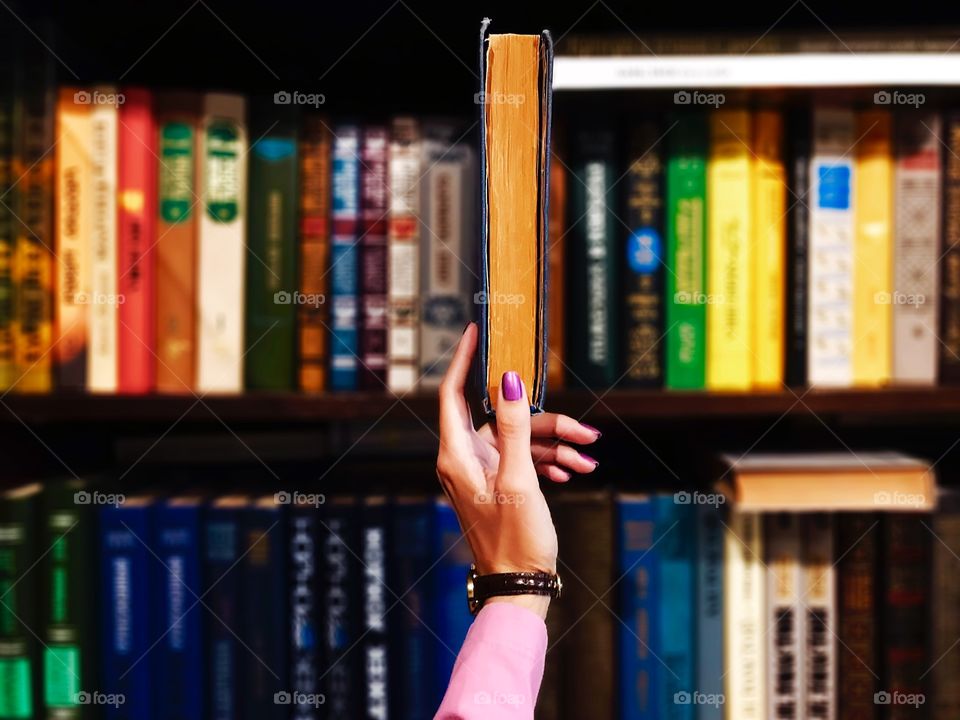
(831, 243)
(783, 620)
(222, 246)
(103, 353)
(744, 619)
(820, 618)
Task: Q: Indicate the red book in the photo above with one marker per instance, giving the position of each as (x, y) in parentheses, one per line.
(136, 224)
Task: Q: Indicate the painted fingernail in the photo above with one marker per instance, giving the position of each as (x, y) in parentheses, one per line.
(592, 429)
(512, 389)
(586, 457)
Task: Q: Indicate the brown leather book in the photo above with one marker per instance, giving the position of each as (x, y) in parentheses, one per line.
(555, 259)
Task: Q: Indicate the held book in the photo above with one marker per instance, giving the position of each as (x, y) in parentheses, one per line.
(515, 102)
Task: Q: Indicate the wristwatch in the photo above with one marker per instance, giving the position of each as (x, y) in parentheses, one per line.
(481, 587)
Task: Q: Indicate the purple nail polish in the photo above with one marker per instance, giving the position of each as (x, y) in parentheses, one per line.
(586, 457)
(592, 429)
(512, 389)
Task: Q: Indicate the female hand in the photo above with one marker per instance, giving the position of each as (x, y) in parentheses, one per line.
(490, 474)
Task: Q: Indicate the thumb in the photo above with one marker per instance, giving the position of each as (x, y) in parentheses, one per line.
(513, 431)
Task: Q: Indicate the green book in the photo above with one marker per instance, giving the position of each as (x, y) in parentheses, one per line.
(686, 257)
(66, 536)
(273, 293)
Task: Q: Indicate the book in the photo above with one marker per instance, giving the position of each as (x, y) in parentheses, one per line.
(730, 230)
(403, 263)
(784, 615)
(916, 248)
(136, 233)
(271, 263)
(591, 270)
(448, 197)
(949, 364)
(103, 358)
(686, 258)
(306, 612)
(19, 649)
(221, 255)
(72, 214)
(128, 592)
(374, 209)
(820, 617)
(340, 580)
(944, 600)
(832, 233)
(377, 671)
(798, 230)
(344, 339)
(313, 317)
(709, 608)
(873, 250)
(556, 269)
(179, 206)
(8, 223)
(515, 88)
(642, 268)
(769, 251)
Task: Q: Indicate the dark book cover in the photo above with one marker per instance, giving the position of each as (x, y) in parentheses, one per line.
(591, 267)
(945, 601)
(344, 260)
(179, 669)
(341, 571)
(377, 600)
(127, 610)
(709, 607)
(273, 292)
(307, 667)
(8, 224)
(264, 625)
(642, 268)
(950, 258)
(373, 257)
(798, 220)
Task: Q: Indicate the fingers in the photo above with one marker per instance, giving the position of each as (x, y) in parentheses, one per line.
(544, 452)
(554, 473)
(564, 427)
(513, 429)
(454, 411)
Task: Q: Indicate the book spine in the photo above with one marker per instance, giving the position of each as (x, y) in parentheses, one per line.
(709, 609)
(872, 278)
(593, 322)
(916, 249)
(313, 319)
(341, 581)
(272, 294)
(176, 243)
(448, 195)
(179, 687)
(830, 250)
(344, 346)
(373, 257)
(221, 255)
(136, 230)
(729, 233)
(820, 617)
(126, 611)
(224, 598)
(643, 266)
(72, 219)
(784, 608)
(306, 612)
(8, 223)
(556, 260)
(945, 621)
(404, 256)
(857, 617)
(798, 237)
(950, 262)
(769, 251)
(377, 670)
(744, 619)
(686, 263)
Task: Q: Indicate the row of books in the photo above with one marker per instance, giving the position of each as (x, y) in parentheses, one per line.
(738, 249)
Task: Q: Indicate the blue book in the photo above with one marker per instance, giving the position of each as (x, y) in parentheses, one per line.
(307, 673)
(377, 600)
(223, 595)
(709, 609)
(639, 564)
(344, 261)
(127, 608)
(340, 572)
(179, 687)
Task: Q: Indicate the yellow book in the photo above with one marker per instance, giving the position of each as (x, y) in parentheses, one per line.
(769, 251)
(873, 250)
(729, 239)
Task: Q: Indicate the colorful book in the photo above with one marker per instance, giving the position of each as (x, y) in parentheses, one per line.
(686, 254)
(784, 632)
(730, 188)
(136, 233)
(340, 580)
(306, 612)
(344, 263)
(709, 608)
(221, 255)
(272, 292)
(819, 598)
(377, 671)
(374, 209)
(798, 236)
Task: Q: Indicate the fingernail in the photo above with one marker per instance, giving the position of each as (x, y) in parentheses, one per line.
(592, 429)
(512, 389)
(586, 457)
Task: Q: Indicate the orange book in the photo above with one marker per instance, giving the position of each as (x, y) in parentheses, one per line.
(555, 261)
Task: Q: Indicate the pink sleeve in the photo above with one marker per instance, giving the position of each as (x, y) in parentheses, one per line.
(499, 668)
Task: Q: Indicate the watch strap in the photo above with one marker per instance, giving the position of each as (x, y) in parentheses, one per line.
(482, 587)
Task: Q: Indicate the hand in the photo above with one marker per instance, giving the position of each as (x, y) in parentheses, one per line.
(490, 475)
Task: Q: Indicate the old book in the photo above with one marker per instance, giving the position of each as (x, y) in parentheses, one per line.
(949, 366)
(784, 614)
(944, 601)
(557, 268)
(8, 224)
(819, 623)
(374, 203)
(798, 234)
(515, 76)
(344, 345)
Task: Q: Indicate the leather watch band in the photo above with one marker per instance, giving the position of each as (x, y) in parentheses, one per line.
(482, 587)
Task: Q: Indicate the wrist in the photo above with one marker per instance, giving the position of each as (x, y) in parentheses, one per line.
(538, 604)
